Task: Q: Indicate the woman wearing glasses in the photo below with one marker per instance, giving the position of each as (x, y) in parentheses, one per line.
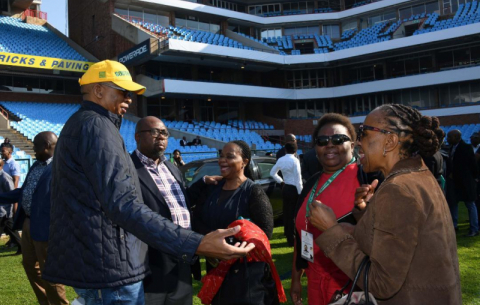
(406, 230)
(335, 186)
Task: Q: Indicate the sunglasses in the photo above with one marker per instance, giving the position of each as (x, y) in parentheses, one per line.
(362, 128)
(126, 93)
(337, 139)
(154, 132)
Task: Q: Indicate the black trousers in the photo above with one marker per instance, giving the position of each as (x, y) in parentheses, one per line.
(169, 289)
(477, 202)
(290, 198)
(6, 225)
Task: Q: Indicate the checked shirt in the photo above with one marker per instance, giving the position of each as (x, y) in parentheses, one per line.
(169, 188)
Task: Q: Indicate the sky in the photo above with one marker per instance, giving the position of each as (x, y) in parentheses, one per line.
(56, 14)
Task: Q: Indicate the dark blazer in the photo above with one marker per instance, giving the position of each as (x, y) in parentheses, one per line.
(310, 165)
(165, 272)
(461, 168)
(40, 208)
(435, 165)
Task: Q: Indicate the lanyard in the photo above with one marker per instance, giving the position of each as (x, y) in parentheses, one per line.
(329, 181)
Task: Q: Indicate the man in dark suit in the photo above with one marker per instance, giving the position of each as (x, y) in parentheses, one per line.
(475, 141)
(461, 180)
(33, 218)
(163, 190)
(310, 165)
(183, 142)
(197, 141)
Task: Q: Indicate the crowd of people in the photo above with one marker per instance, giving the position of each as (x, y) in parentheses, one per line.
(120, 227)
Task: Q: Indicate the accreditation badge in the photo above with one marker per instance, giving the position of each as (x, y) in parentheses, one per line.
(307, 246)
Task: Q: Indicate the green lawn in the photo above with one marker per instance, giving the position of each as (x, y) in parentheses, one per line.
(15, 288)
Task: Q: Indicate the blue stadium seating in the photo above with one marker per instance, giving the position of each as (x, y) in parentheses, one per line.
(357, 4)
(23, 38)
(364, 37)
(466, 14)
(225, 133)
(37, 117)
(467, 130)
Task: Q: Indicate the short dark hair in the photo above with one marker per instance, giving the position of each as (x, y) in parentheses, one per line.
(8, 145)
(176, 150)
(427, 136)
(335, 118)
(291, 148)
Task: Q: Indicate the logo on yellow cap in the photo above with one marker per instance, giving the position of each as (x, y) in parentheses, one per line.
(102, 74)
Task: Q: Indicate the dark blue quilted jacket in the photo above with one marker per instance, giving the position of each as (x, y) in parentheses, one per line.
(97, 210)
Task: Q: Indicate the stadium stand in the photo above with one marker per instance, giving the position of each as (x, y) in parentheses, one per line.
(357, 4)
(467, 130)
(250, 124)
(364, 37)
(224, 133)
(37, 117)
(24, 38)
(466, 14)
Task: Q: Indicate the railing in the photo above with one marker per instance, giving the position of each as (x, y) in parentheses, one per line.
(34, 13)
(4, 112)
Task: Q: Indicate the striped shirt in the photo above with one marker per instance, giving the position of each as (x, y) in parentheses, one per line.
(169, 189)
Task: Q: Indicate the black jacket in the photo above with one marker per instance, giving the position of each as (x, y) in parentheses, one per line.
(462, 172)
(40, 208)
(97, 210)
(166, 280)
(435, 165)
(363, 178)
(310, 165)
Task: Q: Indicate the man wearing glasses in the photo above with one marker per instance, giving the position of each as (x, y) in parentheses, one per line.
(164, 191)
(98, 218)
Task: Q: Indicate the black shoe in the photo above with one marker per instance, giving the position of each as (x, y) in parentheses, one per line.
(472, 234)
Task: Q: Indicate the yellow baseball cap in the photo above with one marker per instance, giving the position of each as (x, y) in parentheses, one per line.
(111, 71)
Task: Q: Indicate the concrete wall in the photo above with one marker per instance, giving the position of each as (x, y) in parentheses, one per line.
(130, 32)
(178, 134)
(249, 42)
(4, 123)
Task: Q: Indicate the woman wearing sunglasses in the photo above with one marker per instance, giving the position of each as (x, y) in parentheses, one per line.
(406, 230)
(335, 185)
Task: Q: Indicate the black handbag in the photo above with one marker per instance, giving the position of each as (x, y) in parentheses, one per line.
(247, 284)
(357, 297)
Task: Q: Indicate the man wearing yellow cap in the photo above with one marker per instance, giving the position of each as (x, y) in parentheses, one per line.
(98, 218)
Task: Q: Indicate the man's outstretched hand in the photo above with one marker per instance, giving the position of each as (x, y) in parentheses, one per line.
(214, 245)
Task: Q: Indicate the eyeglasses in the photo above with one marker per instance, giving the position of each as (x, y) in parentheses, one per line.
(337, 139)
(362, 128)
(154, 132)
(126, 93)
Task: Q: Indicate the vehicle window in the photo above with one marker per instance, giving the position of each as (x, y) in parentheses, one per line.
(264, 168)
(193, 174)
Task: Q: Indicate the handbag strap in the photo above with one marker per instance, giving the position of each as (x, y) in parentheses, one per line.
(355, 280)
(365, 283)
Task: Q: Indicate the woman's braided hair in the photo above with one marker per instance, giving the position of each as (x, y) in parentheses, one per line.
(246, 154)
(427, 136)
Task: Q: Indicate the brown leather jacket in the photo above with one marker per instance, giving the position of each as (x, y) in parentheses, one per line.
(408, 233)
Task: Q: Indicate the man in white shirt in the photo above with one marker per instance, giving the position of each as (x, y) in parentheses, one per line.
(292, 186)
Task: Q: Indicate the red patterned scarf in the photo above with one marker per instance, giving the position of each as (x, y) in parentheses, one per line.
(250, 233)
